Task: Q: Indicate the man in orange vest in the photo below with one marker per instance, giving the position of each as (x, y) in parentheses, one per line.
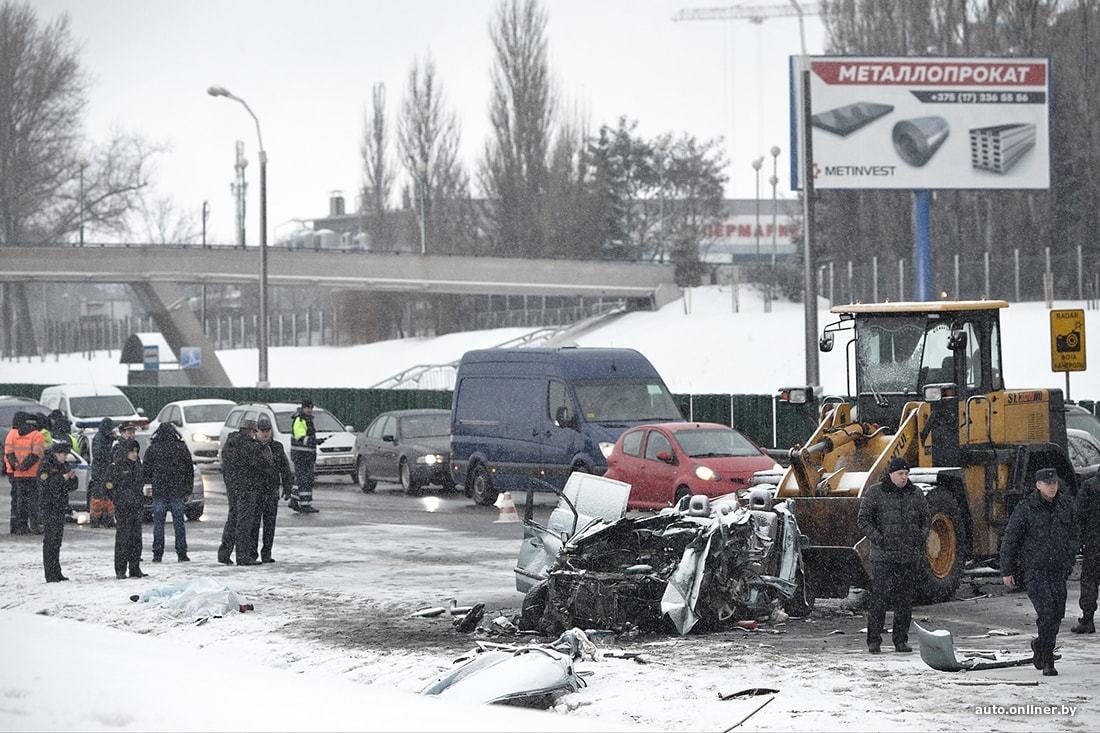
(28, 448)
(9, 469)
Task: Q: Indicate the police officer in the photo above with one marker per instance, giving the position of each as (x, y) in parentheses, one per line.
(268, 503)
(1088, 519)
(303, 451)
(894, 517)
(1040, 544)
(56, 479)
(125, 484)
(246, 467)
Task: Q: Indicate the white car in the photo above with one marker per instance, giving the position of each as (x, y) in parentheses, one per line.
(199, 423)
(334, 456)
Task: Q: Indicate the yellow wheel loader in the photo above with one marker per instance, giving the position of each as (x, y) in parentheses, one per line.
(928, 387)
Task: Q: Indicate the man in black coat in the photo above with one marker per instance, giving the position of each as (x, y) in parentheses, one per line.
(101, 511)
(1040, 543)
(125, 484)
(246, 467)
(894, 517)
(268, 503)
(1088, 520)
(56, 479)
(171, 471)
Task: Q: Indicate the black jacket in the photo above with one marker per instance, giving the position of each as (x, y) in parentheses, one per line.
(1088, 514)
(246, 464)
(168, 464)
(53, 487)
(101, 456)
(1041, 538)
(124, 483)
(895, 521)
(282, 475)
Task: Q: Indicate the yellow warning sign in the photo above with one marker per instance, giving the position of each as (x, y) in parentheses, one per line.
(1067, 340)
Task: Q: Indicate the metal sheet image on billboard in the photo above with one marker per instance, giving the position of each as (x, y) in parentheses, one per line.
(928, 123)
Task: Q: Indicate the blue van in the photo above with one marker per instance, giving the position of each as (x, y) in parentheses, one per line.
(522, 414)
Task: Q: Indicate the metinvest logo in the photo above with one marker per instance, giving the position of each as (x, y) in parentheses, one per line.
(848, 171)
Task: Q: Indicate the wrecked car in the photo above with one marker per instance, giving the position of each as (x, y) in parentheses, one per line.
(701, 564)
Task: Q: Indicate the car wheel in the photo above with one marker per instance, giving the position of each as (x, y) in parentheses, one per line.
(481, 486)
(194, 511)
(404, 475)
(681, 492)
(362, 477)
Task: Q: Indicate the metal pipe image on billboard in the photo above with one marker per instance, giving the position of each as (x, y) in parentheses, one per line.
(918, 140)
(1000, 147)
(847, 119)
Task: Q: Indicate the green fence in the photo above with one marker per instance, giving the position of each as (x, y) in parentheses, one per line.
(762, 417)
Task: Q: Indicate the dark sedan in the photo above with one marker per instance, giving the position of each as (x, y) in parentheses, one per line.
(409, 447)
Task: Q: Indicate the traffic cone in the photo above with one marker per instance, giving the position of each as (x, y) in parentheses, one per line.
(508, 511)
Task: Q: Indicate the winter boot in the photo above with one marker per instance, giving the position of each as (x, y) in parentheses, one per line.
(1037, 658)
(1084, 625)
(1048, 665)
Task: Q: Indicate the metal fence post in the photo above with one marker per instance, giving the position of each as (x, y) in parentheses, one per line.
(874, 278)
(1016, 271)
(958, 295)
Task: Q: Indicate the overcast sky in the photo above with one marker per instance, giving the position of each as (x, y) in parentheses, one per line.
(307, 69)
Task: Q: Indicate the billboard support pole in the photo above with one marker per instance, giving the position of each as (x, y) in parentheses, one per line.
(922, 247)
(813, 376)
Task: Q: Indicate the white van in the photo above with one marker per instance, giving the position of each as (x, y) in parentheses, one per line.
(86, 404)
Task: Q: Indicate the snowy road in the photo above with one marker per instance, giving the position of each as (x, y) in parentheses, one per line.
(335, 605)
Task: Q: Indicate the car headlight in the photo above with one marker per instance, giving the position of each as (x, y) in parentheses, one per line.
(431, 459)
(705, 473)
(203, 438)
(606, 449)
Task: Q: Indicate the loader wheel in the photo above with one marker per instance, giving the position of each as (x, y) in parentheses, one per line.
(945, 548)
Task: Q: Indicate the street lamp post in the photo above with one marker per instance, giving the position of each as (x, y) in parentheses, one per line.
(422, 180)
(756, 164)
(756, 231)
(774, 180)
(205, 214)
(82, 161)
(261, 332)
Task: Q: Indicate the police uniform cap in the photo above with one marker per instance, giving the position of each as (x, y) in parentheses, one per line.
(263, 424)
(60, 445)
(1046, 475)
(248, 424)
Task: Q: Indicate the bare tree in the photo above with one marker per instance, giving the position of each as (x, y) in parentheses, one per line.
(378, 174)
(160, 221)
(42, 101)
(428, 139)
(514, 171)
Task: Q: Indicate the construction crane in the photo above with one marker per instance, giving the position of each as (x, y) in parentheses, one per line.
(754, 14)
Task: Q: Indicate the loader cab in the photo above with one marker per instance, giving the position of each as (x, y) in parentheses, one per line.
(897, 355)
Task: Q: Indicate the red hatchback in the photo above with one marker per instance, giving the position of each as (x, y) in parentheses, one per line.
(665, 461)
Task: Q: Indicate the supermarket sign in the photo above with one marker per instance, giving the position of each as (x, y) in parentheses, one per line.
(927, 123)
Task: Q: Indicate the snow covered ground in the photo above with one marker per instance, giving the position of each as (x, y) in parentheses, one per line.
(708, 349)
(319, 653)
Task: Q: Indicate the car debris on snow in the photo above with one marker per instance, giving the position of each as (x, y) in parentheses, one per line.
(533, 676)
(712, 566)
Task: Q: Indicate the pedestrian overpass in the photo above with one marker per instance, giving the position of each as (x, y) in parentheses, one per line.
(157, 271)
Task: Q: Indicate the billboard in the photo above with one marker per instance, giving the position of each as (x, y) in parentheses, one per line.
(927, 123)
